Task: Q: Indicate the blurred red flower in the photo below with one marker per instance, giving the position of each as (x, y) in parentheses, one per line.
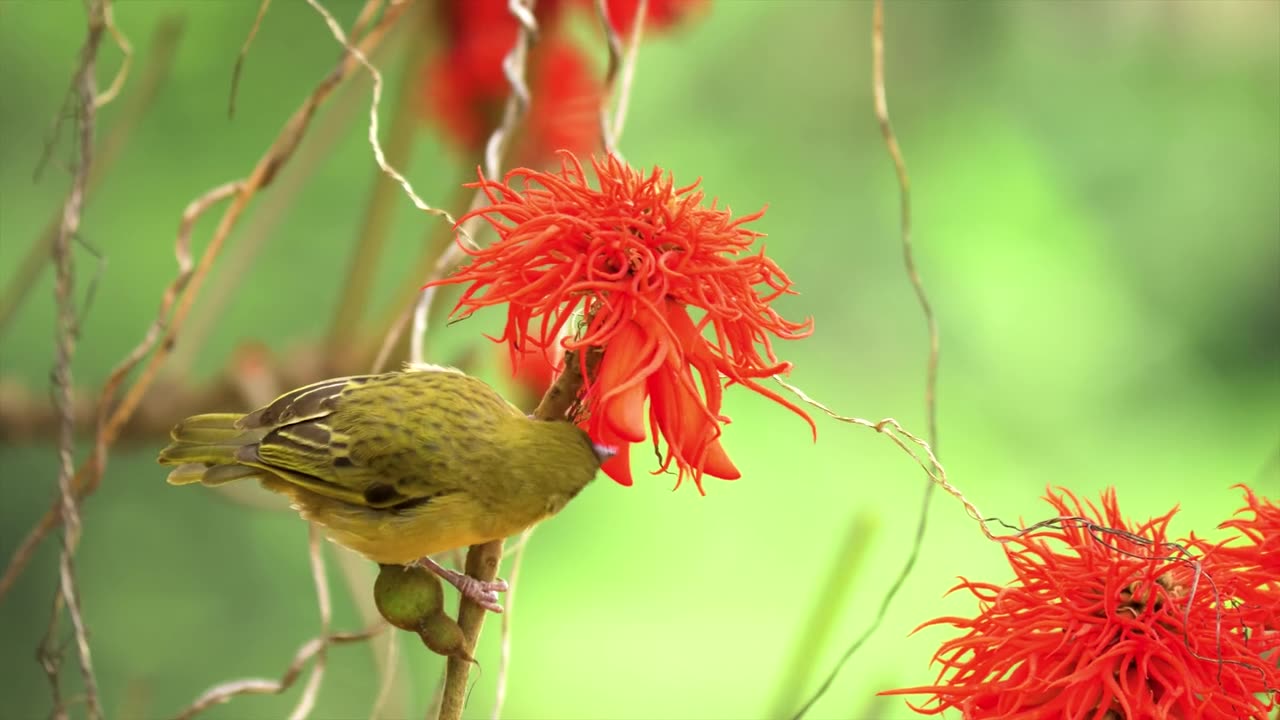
(1101, 624)
(465, 88)
(533, 370)
(638, 257)
(658, 14)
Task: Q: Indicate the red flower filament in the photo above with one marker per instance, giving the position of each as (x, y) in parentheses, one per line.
(1100, 625)
(635, 257)
(1255, 565)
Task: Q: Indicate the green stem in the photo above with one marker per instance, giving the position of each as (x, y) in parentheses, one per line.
(830, 604)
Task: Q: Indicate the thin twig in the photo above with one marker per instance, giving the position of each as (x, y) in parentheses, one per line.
(904, 219)
(514, 67)
(931, 370)
(84, 88)
(390, 662)
(504, 657)
(358, 577)
(122, 42)
(260, 686)
(158, 62)
(260, 228)
(391, 329)
(361, 23)
(87, 476)
(307, 702)
(49, 655)
(244, 53)
(380, 212)
(611, 41)
(112, 417)
(904, 439)
(619, 72)
(937, 475)
(378, 155)
(629, 69)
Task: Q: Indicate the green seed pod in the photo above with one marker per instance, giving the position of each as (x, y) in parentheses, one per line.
(444, 637)
(406, 596)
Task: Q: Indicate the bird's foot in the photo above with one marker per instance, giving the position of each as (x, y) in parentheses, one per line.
(481, 592)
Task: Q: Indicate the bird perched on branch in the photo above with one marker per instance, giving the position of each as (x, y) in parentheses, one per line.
(397, 466)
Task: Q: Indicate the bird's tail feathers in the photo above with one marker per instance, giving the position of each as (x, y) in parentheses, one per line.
(204, 450)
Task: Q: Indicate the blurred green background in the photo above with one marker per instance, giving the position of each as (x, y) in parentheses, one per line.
(1096, 192)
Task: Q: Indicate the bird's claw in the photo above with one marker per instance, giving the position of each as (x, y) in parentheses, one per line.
(481, 592)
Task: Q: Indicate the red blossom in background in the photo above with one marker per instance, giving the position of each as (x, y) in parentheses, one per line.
(635, 256)
(659, 14)
(533, 371)
(465, 88)
(1097, 625)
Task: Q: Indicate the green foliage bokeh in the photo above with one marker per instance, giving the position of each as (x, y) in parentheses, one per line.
(1095, 190)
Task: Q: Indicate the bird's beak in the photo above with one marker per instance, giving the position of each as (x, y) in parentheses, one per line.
(604, 452)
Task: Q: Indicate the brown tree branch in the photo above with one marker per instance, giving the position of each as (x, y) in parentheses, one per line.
(482, 564)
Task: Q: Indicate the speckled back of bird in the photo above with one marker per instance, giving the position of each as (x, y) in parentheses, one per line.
(393, 437)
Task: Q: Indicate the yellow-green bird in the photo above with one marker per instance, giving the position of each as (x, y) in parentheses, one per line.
(397, 466)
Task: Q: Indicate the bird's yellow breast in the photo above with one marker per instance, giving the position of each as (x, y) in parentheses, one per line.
(443, 523)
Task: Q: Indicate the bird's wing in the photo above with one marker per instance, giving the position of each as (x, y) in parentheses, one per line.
(310, 401)
(390, 441)
(303, 447)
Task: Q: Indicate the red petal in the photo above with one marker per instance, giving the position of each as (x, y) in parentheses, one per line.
(624, 414)
(718, 463)
(620, 383)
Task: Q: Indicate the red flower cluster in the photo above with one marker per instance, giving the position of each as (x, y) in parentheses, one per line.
(465, 87)
(640, 259)
(1104, 620)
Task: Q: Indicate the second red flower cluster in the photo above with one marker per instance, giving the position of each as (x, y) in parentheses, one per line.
(465, 87)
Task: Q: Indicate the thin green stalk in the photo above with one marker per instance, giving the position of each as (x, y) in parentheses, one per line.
(829, 606)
